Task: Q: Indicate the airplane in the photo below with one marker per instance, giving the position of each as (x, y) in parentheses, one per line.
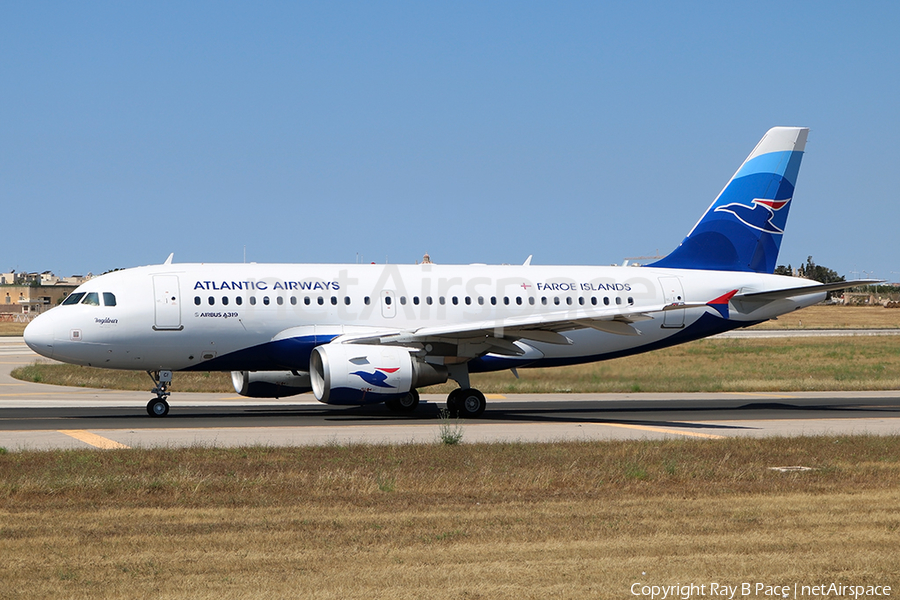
(357, 334)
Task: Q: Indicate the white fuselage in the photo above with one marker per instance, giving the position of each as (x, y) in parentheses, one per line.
(231, 317)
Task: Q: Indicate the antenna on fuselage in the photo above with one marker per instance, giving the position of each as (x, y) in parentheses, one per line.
(169, 260)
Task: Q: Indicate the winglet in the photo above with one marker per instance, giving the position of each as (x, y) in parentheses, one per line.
(720, 304)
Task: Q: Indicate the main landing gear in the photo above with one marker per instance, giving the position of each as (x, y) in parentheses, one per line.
(158, 407)
(465, 401)
(468, 403)
(407, 403)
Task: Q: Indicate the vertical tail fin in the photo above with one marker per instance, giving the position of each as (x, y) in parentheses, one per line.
(742, 228)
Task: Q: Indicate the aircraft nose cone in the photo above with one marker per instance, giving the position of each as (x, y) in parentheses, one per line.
(39, 336)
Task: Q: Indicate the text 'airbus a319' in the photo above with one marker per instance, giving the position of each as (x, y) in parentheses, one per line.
(359, 334)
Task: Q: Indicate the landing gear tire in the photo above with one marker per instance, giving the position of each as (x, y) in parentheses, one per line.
(407, 403)
(470, 403)
(157, 407)
(453, 403)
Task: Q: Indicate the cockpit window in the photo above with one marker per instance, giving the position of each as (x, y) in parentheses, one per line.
(73, 298)
(91, 299)
(109, 299)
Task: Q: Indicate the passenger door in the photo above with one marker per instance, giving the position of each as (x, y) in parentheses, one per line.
(166, 294)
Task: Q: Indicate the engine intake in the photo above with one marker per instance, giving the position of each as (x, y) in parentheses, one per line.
(365, 374)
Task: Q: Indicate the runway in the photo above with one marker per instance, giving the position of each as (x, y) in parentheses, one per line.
(35, 416)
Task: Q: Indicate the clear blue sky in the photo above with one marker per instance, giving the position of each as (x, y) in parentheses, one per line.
(581, 133)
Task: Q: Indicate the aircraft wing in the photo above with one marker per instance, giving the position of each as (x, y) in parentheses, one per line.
(498, 335)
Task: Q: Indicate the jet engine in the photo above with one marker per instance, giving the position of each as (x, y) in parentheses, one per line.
(364, 374)
(270, 384)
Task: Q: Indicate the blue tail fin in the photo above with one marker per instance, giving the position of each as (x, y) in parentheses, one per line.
(742, 228)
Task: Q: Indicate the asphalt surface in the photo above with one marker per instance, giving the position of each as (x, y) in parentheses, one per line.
(36, 416)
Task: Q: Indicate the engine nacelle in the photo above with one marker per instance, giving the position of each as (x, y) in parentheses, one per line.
(363, 374)
(270, 384)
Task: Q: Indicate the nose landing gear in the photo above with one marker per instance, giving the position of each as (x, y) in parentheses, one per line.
(158, 407)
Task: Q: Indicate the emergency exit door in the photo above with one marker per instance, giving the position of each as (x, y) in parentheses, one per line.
(673, 293)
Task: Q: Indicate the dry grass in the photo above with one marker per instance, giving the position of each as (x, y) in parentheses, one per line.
(566, 520)
(11, 329)
(804, 364)
(823, 316)
(850, 363)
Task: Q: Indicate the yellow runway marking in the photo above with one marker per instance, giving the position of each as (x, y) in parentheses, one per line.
(662, 430)
(93, 439)
(494, 397)
(65, 393)
(760, 395)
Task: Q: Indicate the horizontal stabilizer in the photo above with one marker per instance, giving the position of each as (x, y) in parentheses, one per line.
(806, 290)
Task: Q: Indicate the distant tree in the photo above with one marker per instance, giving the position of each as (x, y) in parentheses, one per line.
(818, 273)
(784, 270)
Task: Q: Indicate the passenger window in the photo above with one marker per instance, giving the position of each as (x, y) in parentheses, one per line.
(468, 300)
(403, 300)
(91, 299)
(519, 300)
(280, 301)
(594, 300)
(630, 300)
(266, 300)
(387, 300)
(109, 299)
(556, 300)
(334, 300)
(366, 301)
(74, 298)
(544, 300)
(569, 300)
(618, 300)
(606, 300)
(581, 300)
(320, 300)
(293, 300)
(347, 300)
(306, 300)
(531, 300)
(441, 300)
(211, 300)
(506, 300)
(454, 300)
(428, 300)
(252, 300)
(238, 300)
(416, 300)
(225, 300)
(494, 300)
(480, 299)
